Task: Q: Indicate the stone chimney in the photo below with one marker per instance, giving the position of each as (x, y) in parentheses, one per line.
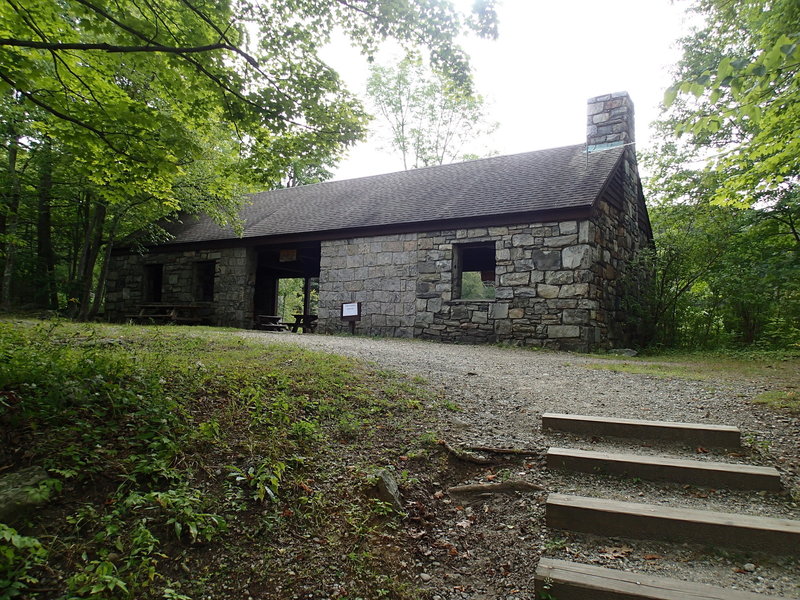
(609, 122)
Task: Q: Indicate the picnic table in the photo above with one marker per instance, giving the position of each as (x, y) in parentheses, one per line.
(306, 322)
(168, 312)
(270, 323)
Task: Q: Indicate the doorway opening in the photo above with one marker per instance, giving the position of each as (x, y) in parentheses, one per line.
(287, 285)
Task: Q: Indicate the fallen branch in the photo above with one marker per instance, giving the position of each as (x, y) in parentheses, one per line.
(504, 487)
(464, 455)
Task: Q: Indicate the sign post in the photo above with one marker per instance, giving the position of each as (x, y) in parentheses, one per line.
(351, 312)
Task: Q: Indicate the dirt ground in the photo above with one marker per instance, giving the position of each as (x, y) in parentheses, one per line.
(487, 546)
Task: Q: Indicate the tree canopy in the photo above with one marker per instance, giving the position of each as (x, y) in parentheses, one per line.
(430, 118)
(737, 95)
(143, 77)
(723, 186)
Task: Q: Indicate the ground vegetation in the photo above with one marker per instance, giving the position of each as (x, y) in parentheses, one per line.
(189, 464)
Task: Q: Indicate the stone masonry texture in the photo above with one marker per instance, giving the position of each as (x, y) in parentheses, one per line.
(610, 120)
(234, 283)
(381, 273)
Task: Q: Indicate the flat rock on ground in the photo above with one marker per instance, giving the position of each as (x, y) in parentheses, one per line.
(16, 498)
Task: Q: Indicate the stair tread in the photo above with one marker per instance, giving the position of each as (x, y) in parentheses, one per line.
(683, 514)
(589, 581)
(705, 473)
(648, 521)
(707, 465)
(641, 422)
(675, 431)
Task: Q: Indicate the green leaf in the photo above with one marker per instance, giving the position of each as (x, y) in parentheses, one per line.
(670, 96)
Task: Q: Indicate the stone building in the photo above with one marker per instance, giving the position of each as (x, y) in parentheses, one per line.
(527, 249)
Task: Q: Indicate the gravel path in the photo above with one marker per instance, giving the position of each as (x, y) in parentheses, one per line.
(503, 392)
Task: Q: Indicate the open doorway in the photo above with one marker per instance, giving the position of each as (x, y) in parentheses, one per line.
(287, 285)
(294, 299)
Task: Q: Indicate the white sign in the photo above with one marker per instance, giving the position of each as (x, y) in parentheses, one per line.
(350, 309)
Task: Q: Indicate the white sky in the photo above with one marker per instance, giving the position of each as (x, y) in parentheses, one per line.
(549, 59)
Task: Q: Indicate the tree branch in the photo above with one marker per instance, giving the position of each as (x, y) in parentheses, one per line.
(56, 113)
(113, 48)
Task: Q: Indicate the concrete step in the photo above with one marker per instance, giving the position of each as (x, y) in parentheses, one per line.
(695, 472)
(724, 436)
(646, 521)
(575, 581)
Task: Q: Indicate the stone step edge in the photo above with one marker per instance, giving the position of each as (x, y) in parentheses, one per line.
(726, 436)
(648, 521)
(696, 472)
(567, 580)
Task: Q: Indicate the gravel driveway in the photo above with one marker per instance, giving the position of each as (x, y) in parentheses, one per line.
(503, 392)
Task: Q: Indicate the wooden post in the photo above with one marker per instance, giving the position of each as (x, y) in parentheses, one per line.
(306, 297)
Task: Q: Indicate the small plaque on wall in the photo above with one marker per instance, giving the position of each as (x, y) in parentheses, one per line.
(288, 255)
(351, 311)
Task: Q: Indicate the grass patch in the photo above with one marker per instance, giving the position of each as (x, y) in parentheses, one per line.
(779, 368)
(783, 399)
(656, 370)
(186, 462)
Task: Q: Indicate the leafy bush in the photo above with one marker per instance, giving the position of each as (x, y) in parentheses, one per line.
(19, 555)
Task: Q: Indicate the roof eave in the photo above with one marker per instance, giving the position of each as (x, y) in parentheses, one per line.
(540, 216)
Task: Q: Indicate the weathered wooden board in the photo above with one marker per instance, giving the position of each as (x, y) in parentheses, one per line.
(646, 521)
(696, 472)
(575, 581)
(725, 436)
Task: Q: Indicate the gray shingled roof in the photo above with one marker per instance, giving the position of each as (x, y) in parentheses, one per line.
(557, 178)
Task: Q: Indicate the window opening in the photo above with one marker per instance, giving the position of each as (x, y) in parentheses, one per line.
(474, 272)
(153, 282)
(204, 280)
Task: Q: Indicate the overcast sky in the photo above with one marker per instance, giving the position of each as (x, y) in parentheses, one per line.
(549, 59)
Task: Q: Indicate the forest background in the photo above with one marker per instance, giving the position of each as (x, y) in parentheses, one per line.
(116, 116)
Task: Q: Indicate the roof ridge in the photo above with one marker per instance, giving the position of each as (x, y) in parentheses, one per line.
(422, 169)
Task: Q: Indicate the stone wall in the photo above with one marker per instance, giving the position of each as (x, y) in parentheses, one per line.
(405, 285)
(557, 283)
(619, 228)
(621, 225)
(234, 280)
(380, 272)
(542, 294)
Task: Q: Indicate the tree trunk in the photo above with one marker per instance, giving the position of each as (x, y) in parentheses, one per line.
(92, 241)
(100, 290)
(45, 294)
(12, 220)
(77, 235)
